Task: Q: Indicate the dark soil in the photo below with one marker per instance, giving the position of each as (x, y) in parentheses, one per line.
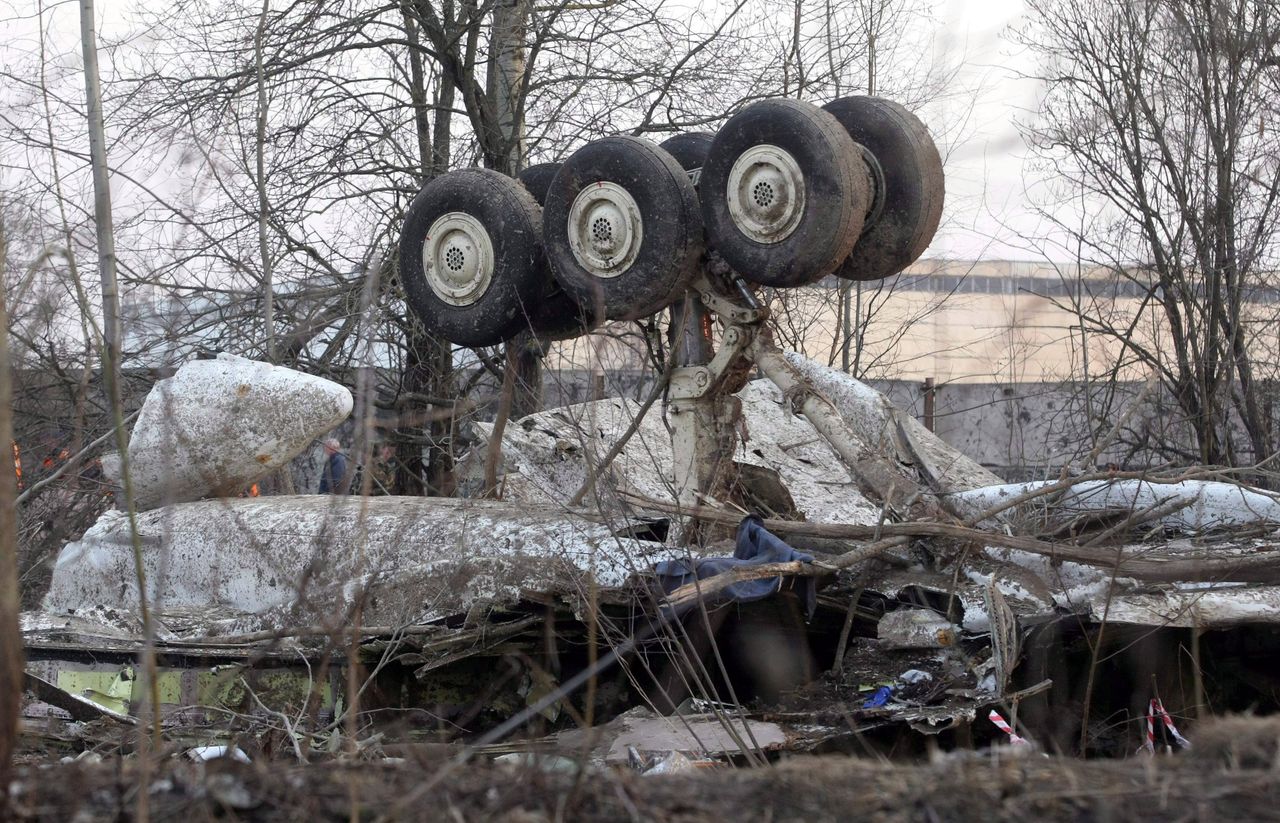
(1230, 775)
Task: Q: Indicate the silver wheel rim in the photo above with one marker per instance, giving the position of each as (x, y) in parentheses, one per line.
(457, 258)
(605, 229)
(766, 193)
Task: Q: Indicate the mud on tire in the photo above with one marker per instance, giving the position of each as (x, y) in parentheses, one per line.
(690, 151)
(911, 188)
(622, 228)
(554, 316)
(471, 256)
(783, 193)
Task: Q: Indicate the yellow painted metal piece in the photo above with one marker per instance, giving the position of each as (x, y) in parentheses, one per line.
(119, 690)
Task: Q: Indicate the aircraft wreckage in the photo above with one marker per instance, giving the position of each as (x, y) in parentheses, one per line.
(747, 566)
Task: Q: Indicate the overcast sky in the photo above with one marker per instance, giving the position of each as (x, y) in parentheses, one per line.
(987, 202)
(986, 189)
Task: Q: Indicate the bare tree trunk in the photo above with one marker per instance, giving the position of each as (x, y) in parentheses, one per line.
(11, 657)
(264, 251)
(506, 81)
(426, 468)
(850, 315)
(111, 361)
(101, 205)
(797, 8)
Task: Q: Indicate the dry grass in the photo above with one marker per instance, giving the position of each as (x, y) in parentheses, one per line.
(1232, 775)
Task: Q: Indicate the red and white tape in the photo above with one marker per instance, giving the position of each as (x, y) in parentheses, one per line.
(1014, 739)
(1156, 709)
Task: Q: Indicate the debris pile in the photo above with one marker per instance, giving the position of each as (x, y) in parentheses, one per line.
(891, 594)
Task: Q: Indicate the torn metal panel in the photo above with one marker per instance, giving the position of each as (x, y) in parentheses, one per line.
(216, 426)
(1189, 505)
(706, 735)
(1204, 608)
(546, 456)
(75, 706)
(304, 560)
(89, 685)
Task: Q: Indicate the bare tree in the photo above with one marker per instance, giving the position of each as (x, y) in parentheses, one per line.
(11, 653)
(1160, 113)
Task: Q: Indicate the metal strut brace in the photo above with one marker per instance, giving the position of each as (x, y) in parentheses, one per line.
(704, 412)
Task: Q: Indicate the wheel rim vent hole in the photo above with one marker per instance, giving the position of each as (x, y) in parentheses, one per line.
(602, 230)
(454, 258)
(762, 193)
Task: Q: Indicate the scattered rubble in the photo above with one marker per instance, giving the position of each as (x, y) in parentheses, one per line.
(890, 596)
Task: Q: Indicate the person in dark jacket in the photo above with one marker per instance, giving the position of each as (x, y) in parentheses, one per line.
(335, 468)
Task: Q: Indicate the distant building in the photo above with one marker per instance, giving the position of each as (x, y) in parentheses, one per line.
(980, 322)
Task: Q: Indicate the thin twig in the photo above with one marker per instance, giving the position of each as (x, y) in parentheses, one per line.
(71, 461)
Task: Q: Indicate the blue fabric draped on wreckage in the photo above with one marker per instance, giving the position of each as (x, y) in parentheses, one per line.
(756, 546)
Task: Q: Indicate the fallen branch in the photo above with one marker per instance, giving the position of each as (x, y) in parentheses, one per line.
(706, 587)
(1157, 511)
(1257, 569)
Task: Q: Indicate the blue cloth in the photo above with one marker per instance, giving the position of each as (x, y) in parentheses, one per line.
(756, 546)
(335, 468)
(879, 698)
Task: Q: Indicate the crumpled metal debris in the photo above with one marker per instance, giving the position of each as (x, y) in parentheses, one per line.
(916, 629)
(1188, 505)
(216, 426)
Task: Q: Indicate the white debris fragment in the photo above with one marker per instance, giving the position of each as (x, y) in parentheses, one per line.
(543, 762)
(218, 425)
(202, 753)
(1203, 608)
(915, 629)
(540, 470)
(914, 676)
(874, 419)
(700, 735)
(672, 763)
(1205, 504)
(545, 456)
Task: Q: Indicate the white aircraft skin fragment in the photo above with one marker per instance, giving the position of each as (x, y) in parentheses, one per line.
(216, 426)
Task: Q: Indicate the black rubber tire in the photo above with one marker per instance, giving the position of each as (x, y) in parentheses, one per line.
(537, 179)
(913, 186)
(837, 193)
(689, 149)
(511, 218)
(555, 316)
(671, 243)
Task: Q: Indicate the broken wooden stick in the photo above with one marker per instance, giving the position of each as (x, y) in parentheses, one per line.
(1264, 568)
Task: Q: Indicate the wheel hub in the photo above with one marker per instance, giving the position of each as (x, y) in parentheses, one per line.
(766, 193)
(605, 229)
(457, 258)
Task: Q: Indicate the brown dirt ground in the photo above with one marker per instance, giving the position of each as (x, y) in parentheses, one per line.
(1232, 774)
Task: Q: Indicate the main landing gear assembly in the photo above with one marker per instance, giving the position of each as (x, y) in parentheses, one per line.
(784, 194)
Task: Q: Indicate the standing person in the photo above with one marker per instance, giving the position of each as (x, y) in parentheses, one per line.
(384, 469)
(335, 467)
